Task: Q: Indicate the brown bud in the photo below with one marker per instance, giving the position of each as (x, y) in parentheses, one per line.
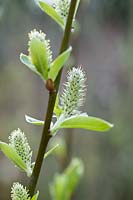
(50, 85)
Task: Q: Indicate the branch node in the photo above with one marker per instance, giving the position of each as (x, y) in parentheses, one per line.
(50, 85)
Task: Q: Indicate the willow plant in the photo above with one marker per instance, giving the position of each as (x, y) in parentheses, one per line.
(65, 107)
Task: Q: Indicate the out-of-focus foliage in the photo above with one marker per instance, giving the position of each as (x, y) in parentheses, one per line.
(64, 184)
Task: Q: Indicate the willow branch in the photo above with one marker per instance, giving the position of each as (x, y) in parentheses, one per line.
(51, 103)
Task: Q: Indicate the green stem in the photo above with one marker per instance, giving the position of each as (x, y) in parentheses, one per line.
(51, 102)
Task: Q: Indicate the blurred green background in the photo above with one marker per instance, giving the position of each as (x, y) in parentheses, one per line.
(104, 47)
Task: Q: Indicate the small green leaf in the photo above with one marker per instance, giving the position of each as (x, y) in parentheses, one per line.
(35, 197)
(58, 63)
(38, 54)
(26, 61)
(61, 151)
(49, 10)
(58, 189)
(34, 121)
(77, 5)
(74, 172)
(57, 108)
(12, 155)
(86, 122)
(51, 151)
(64, 184)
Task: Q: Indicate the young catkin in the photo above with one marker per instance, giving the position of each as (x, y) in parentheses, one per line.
(34, 34)
(74, 93)
(18, 192)
(19, 142)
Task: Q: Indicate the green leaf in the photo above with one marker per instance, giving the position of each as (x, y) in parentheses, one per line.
(83, 121)
(13, 156)
(49, 10)
(38, 54)
(57, 108)
(58, 63)
(34, 121)
(26, 61)
(87, 122)
(51, 151)
(58, 189)
(77, 5)
(74, 172)
(35, 197)
(64, 184)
